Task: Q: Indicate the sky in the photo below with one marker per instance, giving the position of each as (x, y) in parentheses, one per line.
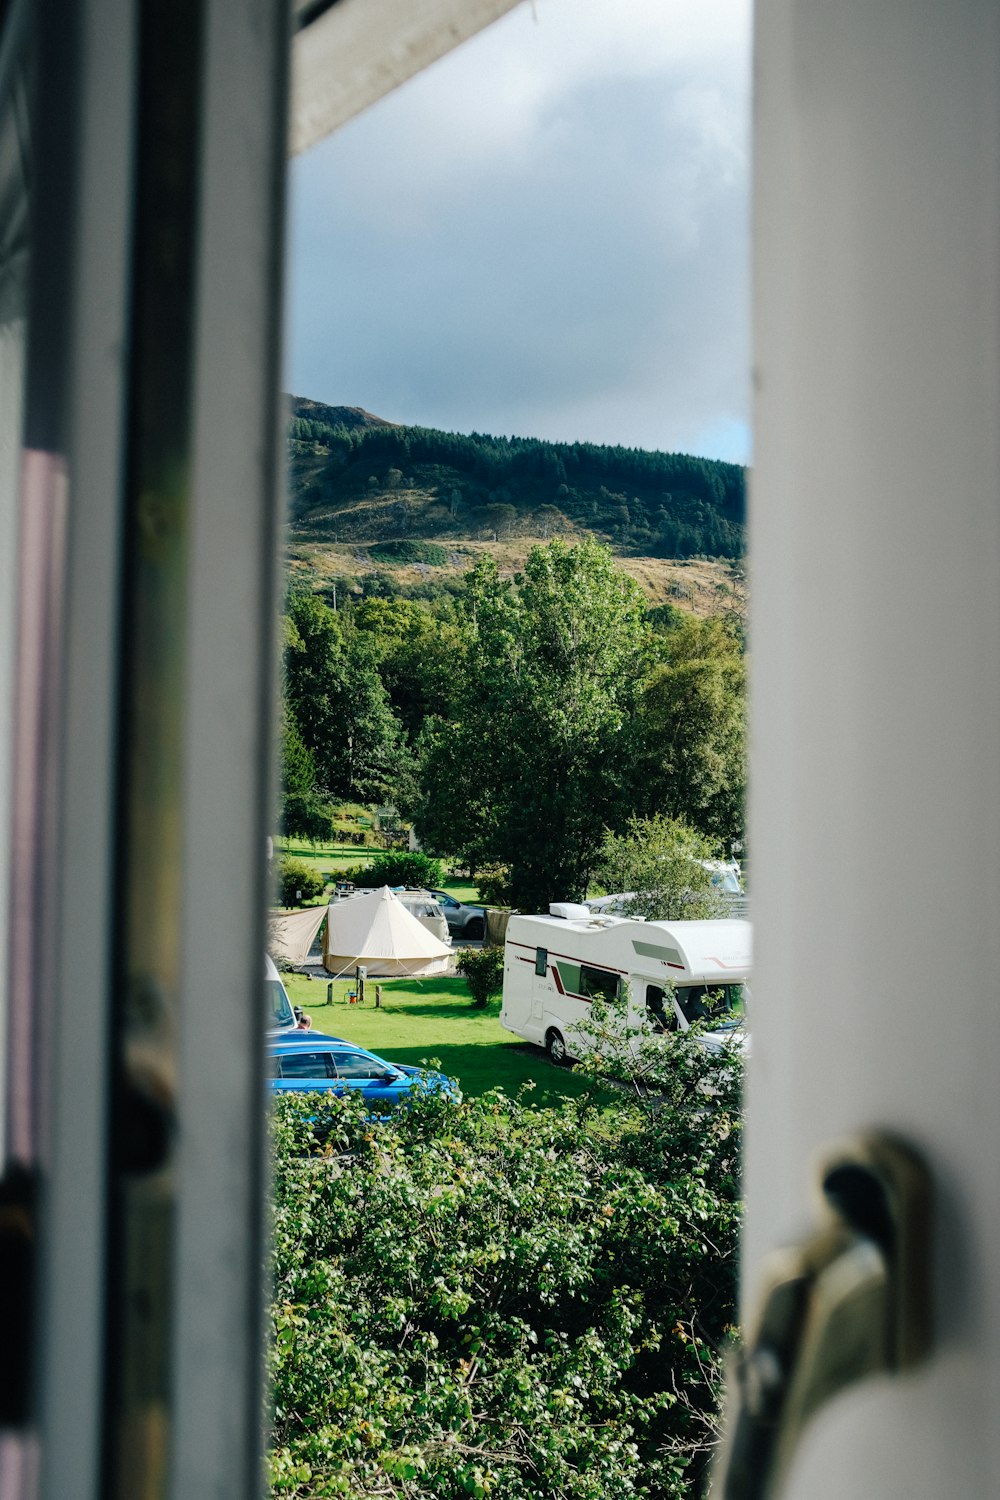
(544, 234)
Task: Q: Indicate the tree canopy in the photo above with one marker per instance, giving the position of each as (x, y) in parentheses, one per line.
(691, 759)
(339, 705)
(519, 724)
(534, 764)
(660, 864)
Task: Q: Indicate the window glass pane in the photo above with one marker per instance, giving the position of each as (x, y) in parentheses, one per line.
(356, 1065)
(15, 247)
(279, 1009)
(569, 975)
(305, 1065)
(660, 1008)
(598, 983)
(541, 961)
(703, 1002)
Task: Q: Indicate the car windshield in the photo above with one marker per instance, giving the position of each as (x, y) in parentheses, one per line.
(721, 1004)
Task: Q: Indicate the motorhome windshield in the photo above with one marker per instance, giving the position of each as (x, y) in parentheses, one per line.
(279, 1009)
(722, 1003)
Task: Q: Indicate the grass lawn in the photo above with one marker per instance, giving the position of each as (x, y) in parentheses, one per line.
(462, 890)
(425, 1019)
(326, 857)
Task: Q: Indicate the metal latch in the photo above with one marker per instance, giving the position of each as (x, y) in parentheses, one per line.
(854, 1300)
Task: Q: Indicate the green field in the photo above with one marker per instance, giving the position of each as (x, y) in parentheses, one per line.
(327, 857)
(432, 1020)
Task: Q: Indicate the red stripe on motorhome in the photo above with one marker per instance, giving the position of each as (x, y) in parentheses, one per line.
(573, 958)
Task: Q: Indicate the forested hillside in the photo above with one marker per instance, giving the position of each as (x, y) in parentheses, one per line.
(463, 640)
(357, 478)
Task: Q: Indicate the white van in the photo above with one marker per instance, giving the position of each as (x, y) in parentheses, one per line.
(280, 1016)
(554, 967)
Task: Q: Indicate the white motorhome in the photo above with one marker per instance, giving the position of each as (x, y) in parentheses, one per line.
(555, 967)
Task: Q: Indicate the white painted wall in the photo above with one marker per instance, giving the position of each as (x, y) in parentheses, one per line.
(876, 689)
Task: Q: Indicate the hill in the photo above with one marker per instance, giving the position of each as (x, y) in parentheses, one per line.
(382, 508)
(348, 417)
(356, 478)
(700, 586)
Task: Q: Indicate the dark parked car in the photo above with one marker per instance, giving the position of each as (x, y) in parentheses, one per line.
(307, 1062)
(463, 921)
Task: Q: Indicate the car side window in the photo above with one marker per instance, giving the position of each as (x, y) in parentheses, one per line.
(356, 1065)
(305, 1065)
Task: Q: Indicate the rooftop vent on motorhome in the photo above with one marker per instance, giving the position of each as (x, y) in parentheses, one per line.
(568, 910)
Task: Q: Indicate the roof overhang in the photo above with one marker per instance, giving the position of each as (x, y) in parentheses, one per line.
(349, 53)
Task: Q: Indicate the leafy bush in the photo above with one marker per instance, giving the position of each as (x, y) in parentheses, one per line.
(662, 861)
(298, 882)
(493, 1300)
(482, 969)
(410, 550)
(493, 884)
(402, 867)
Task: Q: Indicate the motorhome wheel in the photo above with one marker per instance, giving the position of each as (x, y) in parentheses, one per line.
(555, 1046)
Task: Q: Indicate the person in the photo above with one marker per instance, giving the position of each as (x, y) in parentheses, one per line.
(302, 1021)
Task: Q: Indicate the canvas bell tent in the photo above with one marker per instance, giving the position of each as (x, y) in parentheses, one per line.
(291, 934)
(376, 930)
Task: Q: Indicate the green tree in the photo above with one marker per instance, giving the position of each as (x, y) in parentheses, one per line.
(340, 707)
(549, 518)
(499, 519)
(417, 653)
(691, 752)
(303, 812)
(661, 861)
(535, 763)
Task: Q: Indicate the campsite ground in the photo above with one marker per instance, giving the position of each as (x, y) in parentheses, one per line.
(426, 1020)
(432, 1020)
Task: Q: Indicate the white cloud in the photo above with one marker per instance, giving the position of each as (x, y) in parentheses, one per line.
(544, 233)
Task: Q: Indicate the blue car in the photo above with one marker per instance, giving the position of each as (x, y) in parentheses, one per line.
(309, 1062)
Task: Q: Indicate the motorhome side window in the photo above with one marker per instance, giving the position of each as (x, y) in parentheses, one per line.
(541, 962)
(598, 984)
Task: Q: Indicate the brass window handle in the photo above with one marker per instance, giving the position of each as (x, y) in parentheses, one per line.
(852, 1301)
